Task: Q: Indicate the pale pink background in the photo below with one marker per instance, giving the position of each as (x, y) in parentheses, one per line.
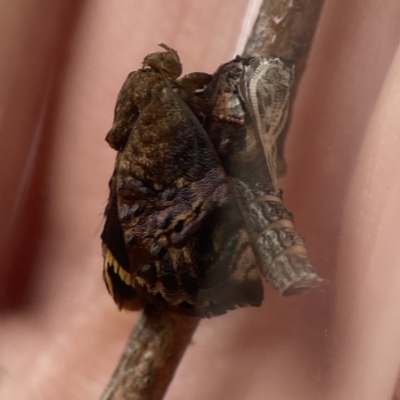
(62, 64)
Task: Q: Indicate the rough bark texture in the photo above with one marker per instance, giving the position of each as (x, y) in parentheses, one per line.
(151, 356)
(285, 28)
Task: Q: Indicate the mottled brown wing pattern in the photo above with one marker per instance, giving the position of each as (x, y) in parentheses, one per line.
(214, 272)
(248, 101)
(163, 242)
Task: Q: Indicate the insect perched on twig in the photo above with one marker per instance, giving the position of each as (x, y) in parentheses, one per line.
(191, 222)
(173, 234)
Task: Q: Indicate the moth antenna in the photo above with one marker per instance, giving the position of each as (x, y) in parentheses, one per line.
(164, 62)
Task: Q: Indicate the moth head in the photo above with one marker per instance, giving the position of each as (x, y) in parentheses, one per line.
(165, 62)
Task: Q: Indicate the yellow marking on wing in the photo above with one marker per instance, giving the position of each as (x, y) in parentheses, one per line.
(106, 266)
(112, 263)
(180, 183)
(125, 276)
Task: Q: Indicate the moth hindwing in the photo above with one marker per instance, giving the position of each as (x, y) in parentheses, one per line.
(173, 235)
(248, 104)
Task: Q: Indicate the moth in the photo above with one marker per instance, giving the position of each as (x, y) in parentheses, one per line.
(173, 234)
(248, 106)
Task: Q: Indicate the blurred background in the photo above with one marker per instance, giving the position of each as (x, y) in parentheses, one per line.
(61, 335)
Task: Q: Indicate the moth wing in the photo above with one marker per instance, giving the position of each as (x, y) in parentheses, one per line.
(167, 180)
(116, 269)
(169, 238)
(215, 271)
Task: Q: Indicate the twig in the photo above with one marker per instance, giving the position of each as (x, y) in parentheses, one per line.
(151, 356)
(284, 28)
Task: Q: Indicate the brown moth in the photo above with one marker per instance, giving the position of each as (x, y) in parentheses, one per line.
(173, 234)
(249, 101)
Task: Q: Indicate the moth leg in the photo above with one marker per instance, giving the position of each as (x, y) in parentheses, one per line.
(232, 277)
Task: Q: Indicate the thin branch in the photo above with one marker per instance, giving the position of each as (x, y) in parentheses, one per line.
(285, 28)
(153, 353)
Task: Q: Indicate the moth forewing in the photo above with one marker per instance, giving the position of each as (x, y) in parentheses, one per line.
(173, 235)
